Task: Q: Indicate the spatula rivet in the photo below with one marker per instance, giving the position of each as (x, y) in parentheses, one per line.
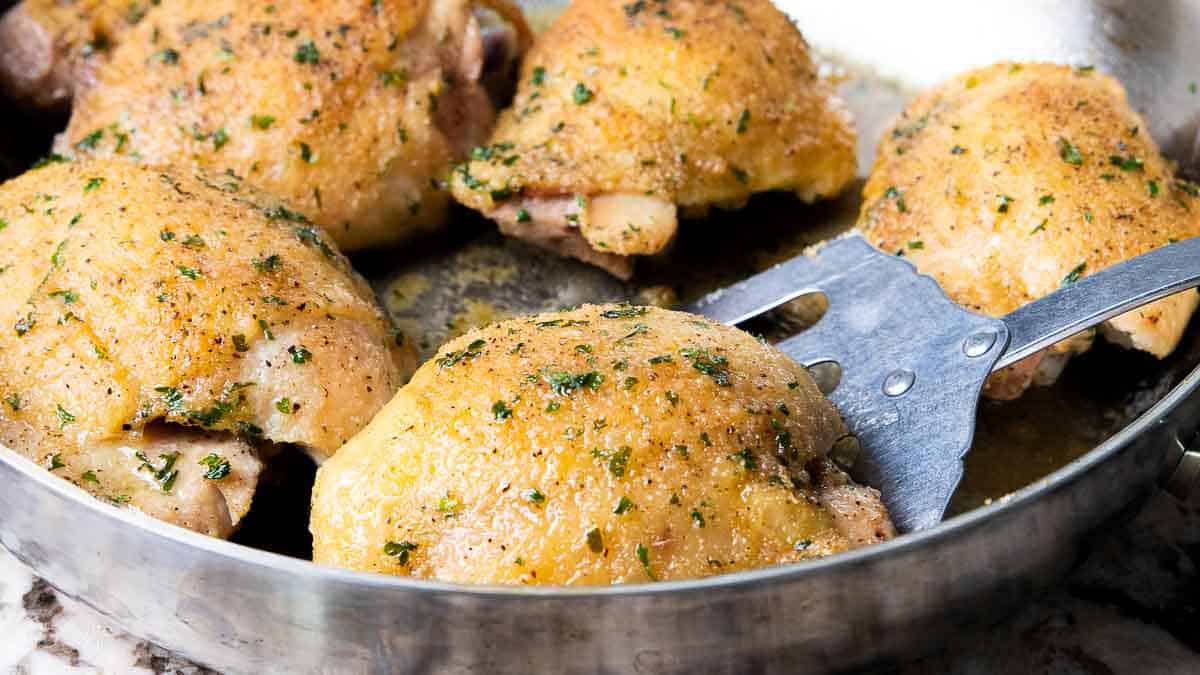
(979, 344)
(898, 381)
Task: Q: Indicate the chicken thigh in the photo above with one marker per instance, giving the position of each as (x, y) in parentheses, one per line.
(602, 445)
(51, 47)
(1007, 182)
(351, 111)
(627, 116)
(137, 296)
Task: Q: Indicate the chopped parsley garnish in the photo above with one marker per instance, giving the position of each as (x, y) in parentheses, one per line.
(453, 358)
(533, 495)
(958, 150)
(745, 458)
(448, 504)
(563, 383)
(538, 77)
(306, 153)
(68, 297)
(674, 32)
(623, 505)
(189, 272)
(90, 477)
(624, 312)
(56, 257)
(523, 216)
(390, 77)
(713, 365)
(166, 235)
(399, 550)
(270, 263)
(595, 540)
(1002, 203)
(218, 467)
(93, 183)
(1041, 226)
(501, 411)
(1152, 187)
(261, 122)
(581, 94)
(698, 519)
(299, 354)
(89, 142)
(52, 158)
(13, 401)
(1045, 199)
(307, 53)
(64, 417)
(1074, 274)
(1069, 153)
(743, 122)
(280, 212)
(1129, 163)
(894, 194)
(56, 462)
(739, 174)
(661, 358)
(194, 241)
(220, 137)
(284, 405)
(310, 235)
(802, 544)
(25, 324)
(168, 56)
(619, 461)
(239, 342)
(643, 555)
(172, 397)
(915, 245)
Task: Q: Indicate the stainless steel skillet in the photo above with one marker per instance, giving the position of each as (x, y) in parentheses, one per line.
(242, 610)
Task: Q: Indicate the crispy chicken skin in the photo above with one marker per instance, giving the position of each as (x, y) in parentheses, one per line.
(352, 111)
(602, 445)
(629, 115)
(135, 295)
(51, 47)
(1009, 181)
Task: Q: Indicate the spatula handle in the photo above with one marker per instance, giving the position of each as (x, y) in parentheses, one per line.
(1100, 296)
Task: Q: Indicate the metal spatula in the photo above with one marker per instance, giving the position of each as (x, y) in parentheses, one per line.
(913, 363)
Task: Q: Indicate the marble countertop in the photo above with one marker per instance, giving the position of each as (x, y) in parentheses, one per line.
(1133, 606)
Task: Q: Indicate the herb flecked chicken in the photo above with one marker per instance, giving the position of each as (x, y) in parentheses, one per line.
(601, 445)
(158, 326)
(350, 110)
(630, 115)
(1007, 182)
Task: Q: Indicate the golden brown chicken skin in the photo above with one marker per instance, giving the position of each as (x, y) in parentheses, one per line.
(606, 444)
(137, 295)
(1007, 182)
(352, 111)
(630, 115)
(51, 47)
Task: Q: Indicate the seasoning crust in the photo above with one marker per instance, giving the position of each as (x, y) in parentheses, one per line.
(1007, 182)
(627, 115)
(606, 444)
